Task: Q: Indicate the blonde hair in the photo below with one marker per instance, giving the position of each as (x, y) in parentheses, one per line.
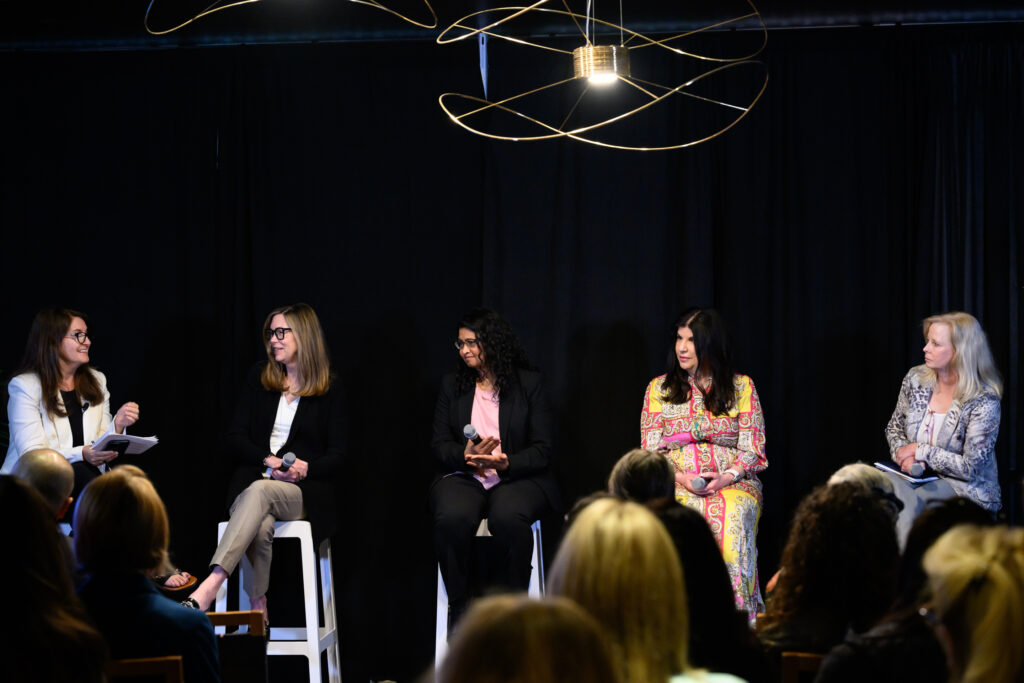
(618, 562)
(972, 358)
(514, 639)
(121, 524)
(977, 579)
(861, 474)
(313, 360)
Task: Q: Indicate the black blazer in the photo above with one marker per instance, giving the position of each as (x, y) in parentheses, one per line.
(317, 436)
(525, 426)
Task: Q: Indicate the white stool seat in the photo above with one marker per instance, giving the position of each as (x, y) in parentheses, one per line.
(313, 639)
(536, 589)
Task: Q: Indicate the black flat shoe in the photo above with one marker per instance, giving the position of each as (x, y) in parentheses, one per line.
(191, 604)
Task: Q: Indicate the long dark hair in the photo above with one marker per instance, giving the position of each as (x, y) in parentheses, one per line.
(711, 343)
(503, 354)
(42, 357)
(842, 535)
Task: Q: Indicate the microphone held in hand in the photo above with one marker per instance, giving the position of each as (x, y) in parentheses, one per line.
(469, 431)
(917, 469)
(698, 483)
(287, 460)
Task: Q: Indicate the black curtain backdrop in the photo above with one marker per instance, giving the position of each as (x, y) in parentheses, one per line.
(177, 196)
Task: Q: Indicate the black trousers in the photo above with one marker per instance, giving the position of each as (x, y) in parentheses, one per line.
(458, 503)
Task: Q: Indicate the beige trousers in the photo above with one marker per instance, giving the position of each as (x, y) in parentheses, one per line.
(250, 530)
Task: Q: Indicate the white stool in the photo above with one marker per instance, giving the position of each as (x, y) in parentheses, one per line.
(536, 589)
(311, 640)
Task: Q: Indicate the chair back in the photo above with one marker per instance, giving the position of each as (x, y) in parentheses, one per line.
(800, 667)
(162, 669)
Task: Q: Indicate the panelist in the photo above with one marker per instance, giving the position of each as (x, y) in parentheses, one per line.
(58, 401)
(947, 417)
(290, 405)
(505, 474)
(707, 421)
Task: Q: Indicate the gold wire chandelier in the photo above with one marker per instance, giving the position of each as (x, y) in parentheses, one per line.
(219, 5)
(599, 63)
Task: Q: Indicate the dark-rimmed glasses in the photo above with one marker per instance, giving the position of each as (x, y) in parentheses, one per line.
(79, 337)
(276, 332)
(471, 343)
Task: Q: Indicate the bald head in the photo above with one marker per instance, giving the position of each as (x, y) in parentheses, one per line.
(49, 473)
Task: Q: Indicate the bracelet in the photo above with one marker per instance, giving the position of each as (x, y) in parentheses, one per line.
(735, 474)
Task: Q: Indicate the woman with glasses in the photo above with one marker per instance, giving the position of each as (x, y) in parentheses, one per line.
(503, 474)
(290, 407)
(58, 401)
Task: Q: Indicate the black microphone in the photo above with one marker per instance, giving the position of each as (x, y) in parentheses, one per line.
(469, 431)
(698, 483)
(85, 406)
(917, 469)
(287, 460)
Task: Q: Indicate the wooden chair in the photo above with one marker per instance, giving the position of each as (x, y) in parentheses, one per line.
(166, 669)
(252, 618)
(243, 656)
(800, 666)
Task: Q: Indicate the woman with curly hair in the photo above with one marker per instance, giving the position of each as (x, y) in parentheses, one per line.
(840, 558)
(706, 419)
(504, 474)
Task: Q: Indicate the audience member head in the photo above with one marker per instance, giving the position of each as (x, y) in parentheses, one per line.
(121, 525)
(51, 474)
(642, 475)
(582, 504)
(43, 612)
(714, 360)
(514, 639)
(618, 563)
(976, 576)
(297, 324)
(872, 479)
(53, 347)
(972, 359)
(939, 517)
(839, 567)
(493, 348)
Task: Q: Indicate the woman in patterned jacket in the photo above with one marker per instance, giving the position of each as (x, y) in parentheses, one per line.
(707, 421)
(947, 417)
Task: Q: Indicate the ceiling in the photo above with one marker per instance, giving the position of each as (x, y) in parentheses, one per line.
(118, 24)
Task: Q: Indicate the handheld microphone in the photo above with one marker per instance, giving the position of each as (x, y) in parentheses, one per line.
(917, 469)
(469, 431)
(287, 460)
(698, 483)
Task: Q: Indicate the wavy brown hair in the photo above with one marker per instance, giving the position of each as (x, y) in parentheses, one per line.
(313, 360)
(42, 357)
(711, 343)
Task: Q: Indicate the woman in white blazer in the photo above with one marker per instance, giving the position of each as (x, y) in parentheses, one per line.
(57, 401)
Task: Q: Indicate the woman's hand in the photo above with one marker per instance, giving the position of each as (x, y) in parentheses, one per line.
(496, 462)
(906, 455)
(479, 455)
(126, 416)
(97, 458)
(296, 473)
(716, 481)
(685, 479)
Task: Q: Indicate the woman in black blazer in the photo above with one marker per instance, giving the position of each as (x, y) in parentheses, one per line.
(288, 407)
(505, 476)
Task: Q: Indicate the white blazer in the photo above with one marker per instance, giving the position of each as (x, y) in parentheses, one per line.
(33, 427)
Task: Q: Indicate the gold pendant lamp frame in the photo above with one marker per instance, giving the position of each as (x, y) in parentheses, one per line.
(220, 5)
(591, 59)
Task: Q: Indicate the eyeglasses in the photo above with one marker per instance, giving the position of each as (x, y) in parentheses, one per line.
(276, 332)
(79, 337)
(471, 343)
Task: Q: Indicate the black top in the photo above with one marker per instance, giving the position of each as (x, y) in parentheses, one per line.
(525, 427)
(318, 435)
(74, 410)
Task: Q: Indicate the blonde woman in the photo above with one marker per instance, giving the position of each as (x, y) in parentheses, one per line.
(618, 562)
(976, 576)
(947, 417)
(121, 535)
(289, 405)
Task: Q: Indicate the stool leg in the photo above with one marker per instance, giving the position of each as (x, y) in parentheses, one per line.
(536, 589)
(309, 596)
(330, 617)
(441, 630)
(222, 593)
